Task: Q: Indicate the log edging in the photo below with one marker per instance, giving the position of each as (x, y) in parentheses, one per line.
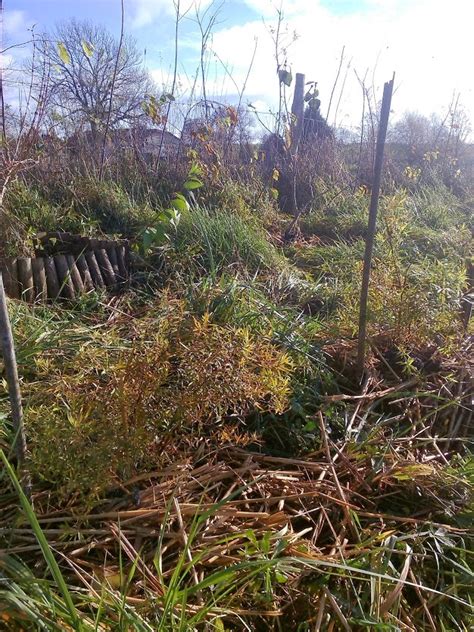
(59, 274)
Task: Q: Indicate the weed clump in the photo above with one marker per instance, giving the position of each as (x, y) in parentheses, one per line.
(180, 381)
(418, 274)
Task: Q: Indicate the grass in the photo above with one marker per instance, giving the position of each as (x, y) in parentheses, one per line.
(418, 277)
(225, 548)
(208, 460)
(367, 526)
(210, 242)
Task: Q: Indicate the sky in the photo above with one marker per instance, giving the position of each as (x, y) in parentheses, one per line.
(427, 43)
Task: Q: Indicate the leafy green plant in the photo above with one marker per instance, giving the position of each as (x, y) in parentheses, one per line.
(71, 611)
(168, 219)
(158, 234)
(110, 206)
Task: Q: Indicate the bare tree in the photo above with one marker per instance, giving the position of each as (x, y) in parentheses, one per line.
(95, 80)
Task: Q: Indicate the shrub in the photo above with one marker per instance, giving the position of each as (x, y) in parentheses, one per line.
(436, 208)
(413, 296)
(111, 411)
(339, 216)
(26, 212)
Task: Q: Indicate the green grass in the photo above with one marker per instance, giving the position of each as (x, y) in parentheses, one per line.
(418, 275)
(210, 242)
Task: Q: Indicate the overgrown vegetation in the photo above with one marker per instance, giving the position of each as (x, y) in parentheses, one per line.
(203, 453)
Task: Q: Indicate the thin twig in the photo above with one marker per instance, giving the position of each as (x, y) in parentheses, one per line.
(112, 87)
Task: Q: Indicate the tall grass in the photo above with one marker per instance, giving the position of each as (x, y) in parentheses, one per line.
(210, 242)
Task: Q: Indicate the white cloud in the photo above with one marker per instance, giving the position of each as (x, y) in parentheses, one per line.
(426, 42)
(146, 12)
(5, 61)
(269, 8)
(14, 22)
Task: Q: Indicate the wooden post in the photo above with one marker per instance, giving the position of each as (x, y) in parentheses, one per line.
(85, 273)
(112, 255)
(3, 124)
(11, 371)
(468, 298)
(297, 111)
(11, 285)
(52, 280)
(64, 276)
(75, 276)
(39, 278)
(105, 267)
(122, 263)
(297, 115)
(94, 269)
(25, 276)
(374, 202)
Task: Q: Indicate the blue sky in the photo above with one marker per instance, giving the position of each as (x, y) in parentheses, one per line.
(427, 43)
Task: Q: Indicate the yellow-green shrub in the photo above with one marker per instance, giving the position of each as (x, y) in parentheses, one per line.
(120, 412)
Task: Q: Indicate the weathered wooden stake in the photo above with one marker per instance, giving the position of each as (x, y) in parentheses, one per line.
(297, 123)
(94, 269)
(105, 267)
(52, 280)
(75, 275)
(122, 263)
(11, 372)
(10, 279)
(467, 300)
(374, 202)
(297, 111)
(112, 255)
(85, 273)
(39, 277)
(25, 277)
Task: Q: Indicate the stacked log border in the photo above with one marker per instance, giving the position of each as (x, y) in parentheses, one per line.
(90, 264)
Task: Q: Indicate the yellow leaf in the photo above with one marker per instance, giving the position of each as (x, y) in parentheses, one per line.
(410, 472)
(63, 53)
(88, 48)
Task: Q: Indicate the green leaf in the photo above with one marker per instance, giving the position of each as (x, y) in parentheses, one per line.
(88, 48)
(192, 183)
(179, 202)
(166, 215)
(219, 626)
(153, 236)
(63, 53)
(195, 170)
